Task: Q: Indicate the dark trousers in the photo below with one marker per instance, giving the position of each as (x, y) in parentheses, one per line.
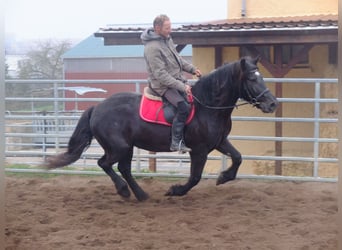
(174, 96)
(177, 99)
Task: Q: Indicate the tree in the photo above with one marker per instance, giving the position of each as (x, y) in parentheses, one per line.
(45, 61)
(42, 62)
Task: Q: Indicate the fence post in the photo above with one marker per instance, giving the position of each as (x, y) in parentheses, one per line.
(316, 128)
(339, 237)
(223, 162)
(279, 131)
(55, 105)
(138, 160)
(45, 132)
(152, 162)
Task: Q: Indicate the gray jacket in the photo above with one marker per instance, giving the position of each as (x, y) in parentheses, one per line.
(164, 65)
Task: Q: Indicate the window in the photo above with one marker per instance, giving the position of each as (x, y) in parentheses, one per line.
(290, 54)
(333, 53)
(262, 50)
(291, 51)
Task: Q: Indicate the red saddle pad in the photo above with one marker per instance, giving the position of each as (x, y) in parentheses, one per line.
(152, 111)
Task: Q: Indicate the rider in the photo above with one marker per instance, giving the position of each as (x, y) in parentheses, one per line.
(165, 67)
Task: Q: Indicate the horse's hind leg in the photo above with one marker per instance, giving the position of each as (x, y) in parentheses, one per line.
(120, 184)
(229, 174)
(125, 166)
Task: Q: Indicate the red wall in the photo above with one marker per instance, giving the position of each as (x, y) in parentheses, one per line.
(111, 88)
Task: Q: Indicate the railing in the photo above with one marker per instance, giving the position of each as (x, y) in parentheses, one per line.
(32, 135)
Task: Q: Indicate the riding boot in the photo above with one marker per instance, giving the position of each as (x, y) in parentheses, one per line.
(178, 124)
(177, 143)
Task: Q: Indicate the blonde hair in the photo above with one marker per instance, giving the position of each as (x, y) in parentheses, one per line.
(159, 20)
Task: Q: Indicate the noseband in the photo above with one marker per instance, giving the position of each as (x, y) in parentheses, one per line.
(253, 100)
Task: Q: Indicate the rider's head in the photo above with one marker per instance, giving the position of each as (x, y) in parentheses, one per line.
(162, 25)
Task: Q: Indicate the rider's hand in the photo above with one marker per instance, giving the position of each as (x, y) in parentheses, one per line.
(198, 73)
(187, 89)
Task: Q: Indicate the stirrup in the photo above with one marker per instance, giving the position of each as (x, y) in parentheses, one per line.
(181, 148)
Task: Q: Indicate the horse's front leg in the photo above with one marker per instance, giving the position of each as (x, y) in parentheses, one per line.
(198, 161)
(229, 174)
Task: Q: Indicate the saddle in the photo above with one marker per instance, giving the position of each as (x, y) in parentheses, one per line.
(156, 110)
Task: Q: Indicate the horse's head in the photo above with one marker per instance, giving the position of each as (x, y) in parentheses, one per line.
(253, 88)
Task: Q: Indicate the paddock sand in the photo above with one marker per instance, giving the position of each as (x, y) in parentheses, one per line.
(75, 212)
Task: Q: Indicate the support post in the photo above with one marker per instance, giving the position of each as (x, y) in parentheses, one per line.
(339, 220)
(279, 131)
(278, 170)
(152, 163)
(218, 56)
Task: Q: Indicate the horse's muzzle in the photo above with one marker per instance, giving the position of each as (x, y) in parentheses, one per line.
(269, 105)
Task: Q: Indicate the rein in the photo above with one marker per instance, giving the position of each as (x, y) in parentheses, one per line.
(218, 108)
(254, 101)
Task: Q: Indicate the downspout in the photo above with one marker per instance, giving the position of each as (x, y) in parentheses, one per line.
(243, 8)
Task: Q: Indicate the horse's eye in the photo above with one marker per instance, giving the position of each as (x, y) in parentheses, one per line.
(253, 75)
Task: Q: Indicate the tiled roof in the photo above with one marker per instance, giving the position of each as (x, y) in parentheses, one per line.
(265, 23)
(242, 31)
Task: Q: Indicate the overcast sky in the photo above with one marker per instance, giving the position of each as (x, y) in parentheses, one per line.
(77, 19)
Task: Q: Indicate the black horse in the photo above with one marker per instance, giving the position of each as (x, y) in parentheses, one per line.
(117, 126)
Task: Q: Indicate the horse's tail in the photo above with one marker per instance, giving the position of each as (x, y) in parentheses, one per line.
(78, 142)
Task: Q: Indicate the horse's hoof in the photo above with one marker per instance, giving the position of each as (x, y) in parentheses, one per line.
(220, 180)
(223, 178)
(124, 192)
(176, 190)
(142, 197)
(169, 192)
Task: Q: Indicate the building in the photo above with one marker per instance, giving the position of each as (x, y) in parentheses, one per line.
(91, 59)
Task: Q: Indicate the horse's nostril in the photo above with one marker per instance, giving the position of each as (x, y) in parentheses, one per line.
(273, 105)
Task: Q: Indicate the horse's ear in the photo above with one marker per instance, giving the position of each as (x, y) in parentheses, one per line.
(243, 64)
(256, 60)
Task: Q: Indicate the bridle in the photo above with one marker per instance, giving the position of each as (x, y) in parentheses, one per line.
(251, 100)
(217, 107)
(255, 100)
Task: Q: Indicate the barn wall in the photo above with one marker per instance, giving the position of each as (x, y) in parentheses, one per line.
(272, 8)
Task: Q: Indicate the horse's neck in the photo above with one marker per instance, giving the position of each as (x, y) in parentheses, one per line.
(221, 103)
(220, 87)
(226, 96)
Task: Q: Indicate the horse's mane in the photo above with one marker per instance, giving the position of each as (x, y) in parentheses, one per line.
(224, 78)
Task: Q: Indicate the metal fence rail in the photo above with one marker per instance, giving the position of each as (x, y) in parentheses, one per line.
(32, 135)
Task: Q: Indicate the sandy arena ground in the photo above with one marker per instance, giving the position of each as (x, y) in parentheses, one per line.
(82, 212)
